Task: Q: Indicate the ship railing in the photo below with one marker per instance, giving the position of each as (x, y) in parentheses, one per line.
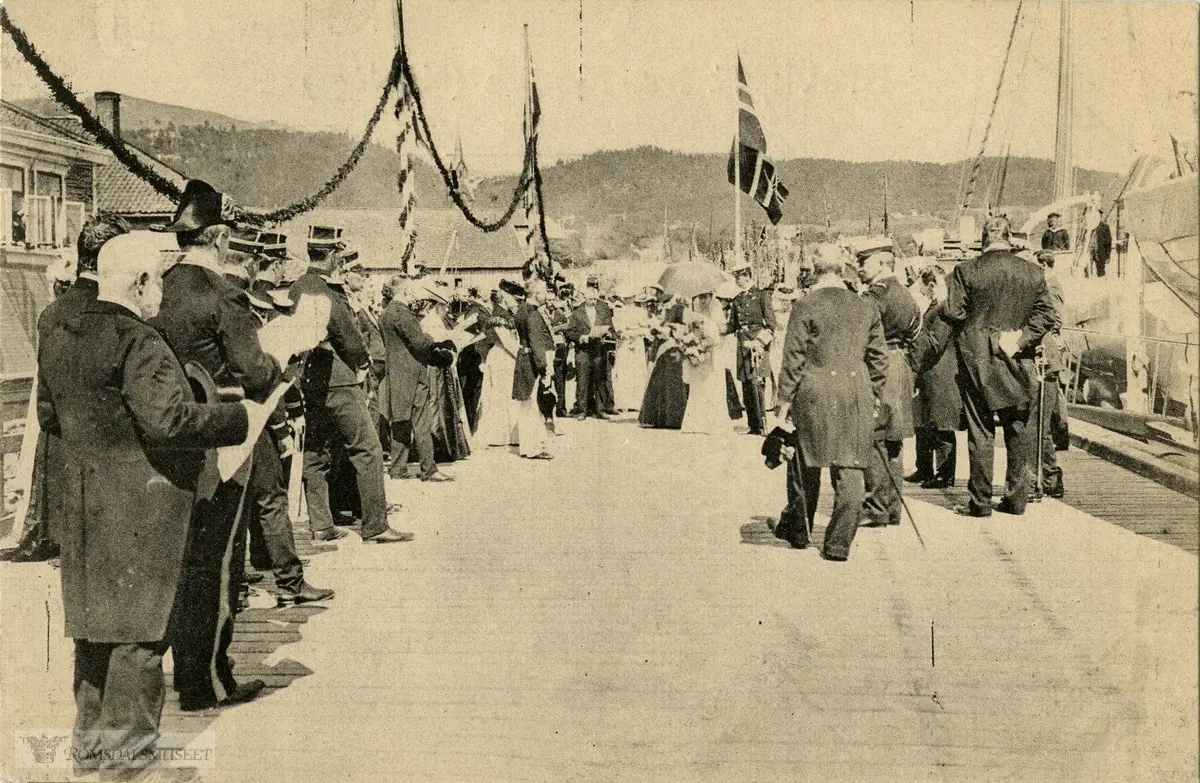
(1112, 370)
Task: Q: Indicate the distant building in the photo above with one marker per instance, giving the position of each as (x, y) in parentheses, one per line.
(444, 237)
(48, 174)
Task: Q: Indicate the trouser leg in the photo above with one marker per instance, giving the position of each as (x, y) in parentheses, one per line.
(354, 427)
(752, 398)
(201, 625)
(848, 492)
(945, 453)
(1020, 443)
(424, 414)
(583, 379)
(531, 429)
(803, 492)
(981, 434)
(91, 672)
(318, 460)
(132, 706)
(1052, 476)
(925, 440)
(560, 379)
(882, 481)
(273, 543)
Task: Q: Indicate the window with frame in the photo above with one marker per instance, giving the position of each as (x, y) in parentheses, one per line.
(45, 218)
(12, 204)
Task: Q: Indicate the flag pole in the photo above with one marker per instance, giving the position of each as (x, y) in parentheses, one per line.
(737, 171)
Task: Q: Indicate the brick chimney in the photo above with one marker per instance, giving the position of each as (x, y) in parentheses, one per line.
(108, 111)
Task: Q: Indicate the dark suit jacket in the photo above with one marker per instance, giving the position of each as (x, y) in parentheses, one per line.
(336, 361)
(536, 342)
(205, 319)
(938, 404)
(113, 390)
(834, 367)
(408, 353)
(578, 327)
(987, 295)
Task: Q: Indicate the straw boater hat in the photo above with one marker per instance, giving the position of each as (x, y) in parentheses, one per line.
(865, 248)
(281, 298)
(741, 267)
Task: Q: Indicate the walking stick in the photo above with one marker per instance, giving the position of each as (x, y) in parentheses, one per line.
(899, 494)
(1039, 362)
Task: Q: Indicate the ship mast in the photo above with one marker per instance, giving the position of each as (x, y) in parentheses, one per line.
(1064, 163)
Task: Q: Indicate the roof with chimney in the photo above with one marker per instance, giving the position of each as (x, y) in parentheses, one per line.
(120, 190)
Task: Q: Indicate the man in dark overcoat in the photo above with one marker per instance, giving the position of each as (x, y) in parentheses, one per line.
(901, 319)
(831, 378)
(590, 330)
(531, 376)
(39, 540)
(336, 406)
(113, 390)
(937, 408)
(752, 319)
(208, 323)
(407, 398)
(999, 308)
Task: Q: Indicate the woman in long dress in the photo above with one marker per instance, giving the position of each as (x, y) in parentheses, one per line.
(707, 406)
(666, 396)
(497, 410)
(451, 436)
(629, 369)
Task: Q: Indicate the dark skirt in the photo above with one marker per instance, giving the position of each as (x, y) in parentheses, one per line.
(666, 396)
(450, 439)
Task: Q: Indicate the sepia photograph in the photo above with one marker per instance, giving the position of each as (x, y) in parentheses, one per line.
(599, 390)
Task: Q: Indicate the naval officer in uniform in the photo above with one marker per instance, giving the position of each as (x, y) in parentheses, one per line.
(752, 319)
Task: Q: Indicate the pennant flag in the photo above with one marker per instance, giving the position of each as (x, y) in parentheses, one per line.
(756, 172)
(533, 108)
(529, 229)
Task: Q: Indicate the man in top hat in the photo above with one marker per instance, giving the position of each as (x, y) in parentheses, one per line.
(752, 319)
(901, 317)
(208, 323)
(407, 397)
(833, 372)
(1000, 310)
(336, 406)
(1055, 237)
(564, 368)
(590, 330)
(112, 390)
(38, 540)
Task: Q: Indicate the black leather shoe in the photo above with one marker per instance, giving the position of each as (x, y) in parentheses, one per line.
(836, 558)
(937, 483)
(972, 511)
(31, 551)
(389, 536)
(919, 477)
(1006, 506)
(437, 476)
(579, 416)
(603, 416)
(332, 534)
(304, 594)
(1056, 492)
(242, 693)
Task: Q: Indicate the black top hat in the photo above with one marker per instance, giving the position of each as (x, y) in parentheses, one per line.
(511, 288)
(201, 206)
(593, 282)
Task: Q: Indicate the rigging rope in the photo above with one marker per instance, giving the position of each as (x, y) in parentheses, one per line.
(1012, 34)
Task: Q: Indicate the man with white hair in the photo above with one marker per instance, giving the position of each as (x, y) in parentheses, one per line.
(832, 375)
(113, 390)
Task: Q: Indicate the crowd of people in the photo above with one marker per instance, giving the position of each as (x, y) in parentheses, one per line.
(145, 368)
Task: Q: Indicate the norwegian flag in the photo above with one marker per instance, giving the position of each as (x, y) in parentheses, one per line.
(757, 172)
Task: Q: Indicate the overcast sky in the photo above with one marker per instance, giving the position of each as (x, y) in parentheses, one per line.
(848, 79)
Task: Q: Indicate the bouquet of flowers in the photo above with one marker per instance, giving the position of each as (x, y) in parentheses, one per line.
(695, 341)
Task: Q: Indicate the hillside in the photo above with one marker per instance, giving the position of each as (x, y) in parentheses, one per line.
(139, 114)
(610, 201)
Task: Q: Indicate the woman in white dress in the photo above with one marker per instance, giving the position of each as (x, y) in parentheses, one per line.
(707, 409)
(629, 370)
(498, 410)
